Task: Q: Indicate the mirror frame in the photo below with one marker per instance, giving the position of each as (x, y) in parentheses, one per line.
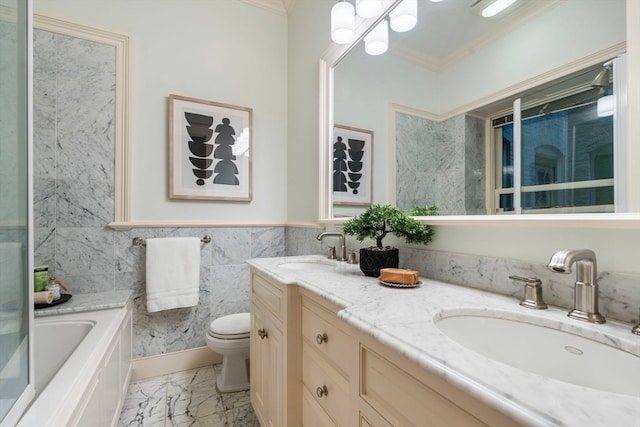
(335, 53)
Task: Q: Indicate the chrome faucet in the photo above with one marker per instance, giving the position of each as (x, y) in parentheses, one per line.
(342, 246)
(586, 286)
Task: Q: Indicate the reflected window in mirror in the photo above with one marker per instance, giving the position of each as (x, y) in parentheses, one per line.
(566, 145)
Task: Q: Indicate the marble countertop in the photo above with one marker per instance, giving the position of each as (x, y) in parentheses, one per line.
(405, 320)
(87, 302)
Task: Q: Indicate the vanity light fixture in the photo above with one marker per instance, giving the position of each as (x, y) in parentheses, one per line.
(405, 16)
(343, 22)
(368, 8)
(489, 8)
(377, 41)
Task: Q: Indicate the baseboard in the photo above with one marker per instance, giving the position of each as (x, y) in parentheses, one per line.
(163, 364)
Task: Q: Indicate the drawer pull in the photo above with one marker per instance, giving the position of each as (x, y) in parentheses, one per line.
(322, 391)
(262, 333)
(322, 338)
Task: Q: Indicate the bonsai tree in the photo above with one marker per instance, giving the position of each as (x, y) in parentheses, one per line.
(424, 211)
(379, 220)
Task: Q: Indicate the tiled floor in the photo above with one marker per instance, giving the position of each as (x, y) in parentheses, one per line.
(183, 399)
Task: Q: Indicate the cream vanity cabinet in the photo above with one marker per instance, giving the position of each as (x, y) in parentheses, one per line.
(274, 352)
(328, 364)
(348, 378)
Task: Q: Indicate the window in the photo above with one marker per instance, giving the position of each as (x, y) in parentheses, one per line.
(566, 160)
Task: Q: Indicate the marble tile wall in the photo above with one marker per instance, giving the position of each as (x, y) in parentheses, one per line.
(619, 295)
(440, 163)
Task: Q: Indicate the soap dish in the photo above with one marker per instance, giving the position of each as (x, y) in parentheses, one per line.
(400, 285)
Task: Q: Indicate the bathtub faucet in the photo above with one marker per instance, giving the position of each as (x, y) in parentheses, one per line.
(586, 286)
(340, 236)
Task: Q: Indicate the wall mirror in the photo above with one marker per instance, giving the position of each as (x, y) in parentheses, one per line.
(435, 99)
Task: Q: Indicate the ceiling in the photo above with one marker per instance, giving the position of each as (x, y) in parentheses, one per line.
(449, 30)
(446, 32)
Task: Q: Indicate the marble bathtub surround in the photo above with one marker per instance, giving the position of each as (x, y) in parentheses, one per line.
(87, 302)
(405, 320)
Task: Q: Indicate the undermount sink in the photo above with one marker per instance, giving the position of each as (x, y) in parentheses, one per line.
(307, 265)
(545, 351)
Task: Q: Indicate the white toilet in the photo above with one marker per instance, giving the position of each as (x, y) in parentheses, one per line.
(229, 336)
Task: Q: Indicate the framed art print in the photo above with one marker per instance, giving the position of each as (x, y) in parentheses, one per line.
(352, 151)
(210, 147)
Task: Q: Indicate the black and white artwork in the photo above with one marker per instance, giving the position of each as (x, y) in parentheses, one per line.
(210, 150)
(352, 151)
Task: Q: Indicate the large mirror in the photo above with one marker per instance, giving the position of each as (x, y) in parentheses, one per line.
(437, 101)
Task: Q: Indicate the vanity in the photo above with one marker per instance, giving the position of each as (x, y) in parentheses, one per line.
(332, 347)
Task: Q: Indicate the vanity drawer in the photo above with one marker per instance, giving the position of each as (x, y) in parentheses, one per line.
(270, 295)
(323, 331)
(312, 414)
(403, 400)
(327, 386)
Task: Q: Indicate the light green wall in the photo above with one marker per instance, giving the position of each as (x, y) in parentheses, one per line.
(308, 37)
(567, 32)
(219, 50)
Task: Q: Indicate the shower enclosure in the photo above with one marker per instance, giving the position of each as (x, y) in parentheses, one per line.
(16, 308)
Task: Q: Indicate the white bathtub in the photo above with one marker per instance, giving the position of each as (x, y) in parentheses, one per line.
(82, 367)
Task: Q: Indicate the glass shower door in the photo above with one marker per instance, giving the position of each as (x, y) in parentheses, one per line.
(16, 309)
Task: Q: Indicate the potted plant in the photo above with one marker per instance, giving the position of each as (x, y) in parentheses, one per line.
(378, 221)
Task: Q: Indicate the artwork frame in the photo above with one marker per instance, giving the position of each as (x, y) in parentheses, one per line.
(348, 162)
(210, 150)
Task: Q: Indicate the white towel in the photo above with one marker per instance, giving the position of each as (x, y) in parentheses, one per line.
(173, 273)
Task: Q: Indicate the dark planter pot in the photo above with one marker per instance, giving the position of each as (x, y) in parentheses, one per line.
(371, 261)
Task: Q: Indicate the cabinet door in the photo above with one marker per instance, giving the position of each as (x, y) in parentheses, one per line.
(267, 374)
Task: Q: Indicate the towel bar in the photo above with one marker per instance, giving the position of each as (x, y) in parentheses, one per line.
(139, 241)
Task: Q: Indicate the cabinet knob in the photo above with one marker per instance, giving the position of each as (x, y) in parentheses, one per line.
(322, 391)
(262, 333)
(322, 338)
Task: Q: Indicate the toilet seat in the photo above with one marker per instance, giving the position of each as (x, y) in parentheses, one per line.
(231, 327)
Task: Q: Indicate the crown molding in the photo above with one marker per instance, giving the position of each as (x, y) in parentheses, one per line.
(279, 7)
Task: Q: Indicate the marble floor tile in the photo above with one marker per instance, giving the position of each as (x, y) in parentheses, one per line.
(184, 399)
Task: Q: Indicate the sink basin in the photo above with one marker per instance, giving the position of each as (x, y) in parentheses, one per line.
(307, 265)
(546, 351)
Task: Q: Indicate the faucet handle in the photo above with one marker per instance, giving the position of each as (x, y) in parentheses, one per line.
(532, 292)
(332, 252)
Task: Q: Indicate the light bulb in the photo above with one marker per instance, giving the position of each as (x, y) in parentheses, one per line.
(342, 22)
(405, 16)
(377, 41)
(496, 7)
(606, 106)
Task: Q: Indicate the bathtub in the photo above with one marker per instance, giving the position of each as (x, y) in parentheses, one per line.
(82, 364)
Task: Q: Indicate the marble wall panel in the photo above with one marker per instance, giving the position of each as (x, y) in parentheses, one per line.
(619, 296)
(431, 167)
(303, 241)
